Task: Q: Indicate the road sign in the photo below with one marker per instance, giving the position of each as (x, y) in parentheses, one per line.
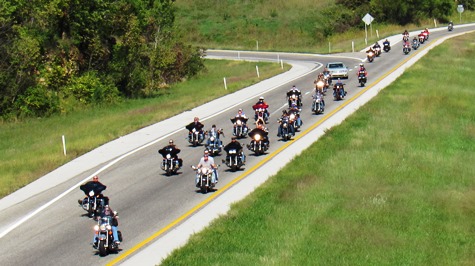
(368, 19)
(460, 8)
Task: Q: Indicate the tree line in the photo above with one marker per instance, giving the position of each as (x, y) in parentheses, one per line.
(60, 55)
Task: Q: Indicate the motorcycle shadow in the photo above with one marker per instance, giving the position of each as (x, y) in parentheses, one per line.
(111, 252)
(210, 190)
(229, 170)
(172, 175)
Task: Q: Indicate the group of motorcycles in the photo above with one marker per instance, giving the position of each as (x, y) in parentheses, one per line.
(416, 41)
(94, 203)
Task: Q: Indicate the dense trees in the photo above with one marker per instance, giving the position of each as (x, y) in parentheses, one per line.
(60, 54)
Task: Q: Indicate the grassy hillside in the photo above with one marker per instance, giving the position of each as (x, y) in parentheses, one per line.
(276, 25)
(392, 185)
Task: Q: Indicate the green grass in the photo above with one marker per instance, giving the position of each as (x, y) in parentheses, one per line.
(392, 185)
(33, 147)
(277, 25)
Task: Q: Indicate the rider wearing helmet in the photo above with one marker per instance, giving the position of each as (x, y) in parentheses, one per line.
(361, 69)
(261, 104)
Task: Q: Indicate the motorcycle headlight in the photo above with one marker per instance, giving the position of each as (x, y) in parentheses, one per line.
(108, 227)
(239, 122)
(232, 151)
(370, 53)
(96, 227)
(320, 84)
(292, 116)
(204, 171)
(211, 138)
(169, 156)
(102, 227)
(91, 193)
(257, 137)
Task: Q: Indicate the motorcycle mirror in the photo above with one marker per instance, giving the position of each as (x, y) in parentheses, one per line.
(193, 167)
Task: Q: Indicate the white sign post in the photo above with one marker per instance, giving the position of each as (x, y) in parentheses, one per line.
(367, 19)
(460, 9)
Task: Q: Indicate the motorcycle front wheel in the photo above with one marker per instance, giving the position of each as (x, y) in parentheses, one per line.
(102, 248)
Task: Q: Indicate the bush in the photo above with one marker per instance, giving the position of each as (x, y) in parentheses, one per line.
(38, 101)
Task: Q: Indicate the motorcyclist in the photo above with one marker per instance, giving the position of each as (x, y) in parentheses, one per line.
(114, 226)
(93, 185)
(376, 45)
(240, 113)
(294, 91)
(234, 144)
(261, 104)
(317, 95)
(196, 125)
(296, 111)
(405, 33)
(173, 151)
(328, 74)
(207, 162)
(415, 42)
(386, 43)
(342, 88)
(214, 132)
(262, 130)
(283, 118)
(361, 68)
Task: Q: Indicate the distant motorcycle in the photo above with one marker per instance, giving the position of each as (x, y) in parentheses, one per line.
(337, 92)
(370, 56)
(362, 78)
(170, 163)
(204, 179)
(285, 128)
(320, 86)
(294, 118)
(450, 27)
(259, 144)
(386, 47)
(406, 49)
(377, 51)
(195, 137)
(261, 112)
(105, 240)
(94, 202)
(318, 105)
(294, 97)
(213, 145)
(234, 159)
(239, 126)
(415, 44)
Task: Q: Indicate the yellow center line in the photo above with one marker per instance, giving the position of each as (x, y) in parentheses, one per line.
(251, 170)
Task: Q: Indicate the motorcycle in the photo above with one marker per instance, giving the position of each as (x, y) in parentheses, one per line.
(370, 56)
(362, 78)
(259, 144)
(377, 51)
(321, 86)
(426, 35)
(285, 128)
(294, 97)
(213, 144)
(105, 240)
(94, 202)
(318, 105)
(386, 47)
(450, 27)
(328, 78)
(337, 92)
(240, 128)
(406, 49)
(195, 137)
(170, 163)
(261, 112)
(204, 179)
(421, 38)
(415, 44)
(234, 159)
(294, 116)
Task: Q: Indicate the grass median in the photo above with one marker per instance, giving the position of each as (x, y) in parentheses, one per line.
(32, 148)
(392, 185)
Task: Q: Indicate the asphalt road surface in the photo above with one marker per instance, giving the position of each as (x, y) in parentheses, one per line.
(147, 200)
